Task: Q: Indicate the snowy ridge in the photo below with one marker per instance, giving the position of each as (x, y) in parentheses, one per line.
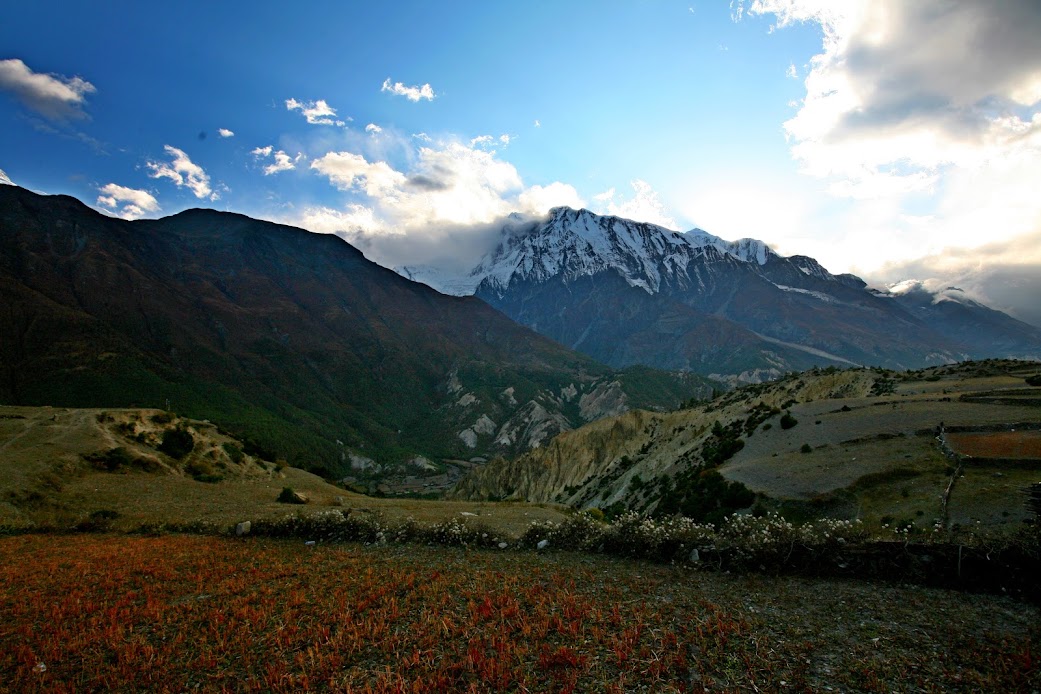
(575, 243)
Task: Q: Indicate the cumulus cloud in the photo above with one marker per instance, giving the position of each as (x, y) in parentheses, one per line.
(316, 112)
(55, 97)
(184, 173)
(414, 93)
(224, 132)
(282, 161)
(904, 90)
(444, 204)
(373, 128)
(128, 203)
(644, 206)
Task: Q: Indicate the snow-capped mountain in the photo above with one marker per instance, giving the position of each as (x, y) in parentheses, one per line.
(575, 243)
(628, 293)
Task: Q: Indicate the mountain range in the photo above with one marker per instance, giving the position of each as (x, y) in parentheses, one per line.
(627, 293)
(289, 339)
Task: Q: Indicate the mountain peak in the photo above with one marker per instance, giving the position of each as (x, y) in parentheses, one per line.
(570, 243)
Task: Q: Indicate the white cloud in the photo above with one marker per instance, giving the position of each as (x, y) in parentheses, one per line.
(644, 206)
(904, 90)
(183, 172)
(414, 93)
(224, 132)
(349, 171)
(283, 162)
(791, 72)
(316, 112)
(53, 96)
(5, 179)
(505, 140)
(482, 141)
(128, 203)
(538, 123)
(373, 128)
(540, 199)
(445, 204)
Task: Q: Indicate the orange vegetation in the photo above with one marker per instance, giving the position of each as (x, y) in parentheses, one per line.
(177, 613)
(997, 444)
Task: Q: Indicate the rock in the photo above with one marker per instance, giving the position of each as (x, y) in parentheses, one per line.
(309, 543)
(503, 545)
(243, 528)
(468, 437)
(484, 425)
(695, 556)
(543, 544)
(467, 513)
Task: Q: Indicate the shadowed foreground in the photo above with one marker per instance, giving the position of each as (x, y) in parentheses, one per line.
(180, 612)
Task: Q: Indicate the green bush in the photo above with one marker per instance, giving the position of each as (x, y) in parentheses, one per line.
(788, 421)
(806, 448)
(1034, 380)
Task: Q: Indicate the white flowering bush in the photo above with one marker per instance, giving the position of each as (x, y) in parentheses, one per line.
(331, 526)
(456, 532)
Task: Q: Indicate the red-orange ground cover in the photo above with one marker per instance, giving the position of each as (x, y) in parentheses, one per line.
(177, 613)
(997, 444)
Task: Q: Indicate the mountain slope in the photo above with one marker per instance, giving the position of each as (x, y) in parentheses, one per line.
(292, 339)
(693, 301)
(855, 442)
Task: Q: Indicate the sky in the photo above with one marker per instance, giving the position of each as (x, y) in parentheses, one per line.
(893, 139)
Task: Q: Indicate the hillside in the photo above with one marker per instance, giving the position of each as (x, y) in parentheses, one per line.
(90, 468)
(292, 340)
(844, 443)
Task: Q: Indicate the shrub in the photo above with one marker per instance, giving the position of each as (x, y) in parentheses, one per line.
(806, 448)
(289, 496)
(177, 443)
(1034, 380)
(233, 451)
(788, 421)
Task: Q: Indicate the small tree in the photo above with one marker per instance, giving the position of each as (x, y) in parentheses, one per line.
(788, 421)
(177, 443)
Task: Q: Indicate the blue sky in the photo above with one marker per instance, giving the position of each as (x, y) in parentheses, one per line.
(862, 133)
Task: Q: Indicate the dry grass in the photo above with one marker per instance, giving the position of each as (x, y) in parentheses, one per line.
(176, 613)
(45, 480)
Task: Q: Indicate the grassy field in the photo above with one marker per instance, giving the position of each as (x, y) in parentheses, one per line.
(177, 613)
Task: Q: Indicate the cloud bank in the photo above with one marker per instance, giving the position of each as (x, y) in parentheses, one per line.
(440, 202)
(925, 117)
(54, 97)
